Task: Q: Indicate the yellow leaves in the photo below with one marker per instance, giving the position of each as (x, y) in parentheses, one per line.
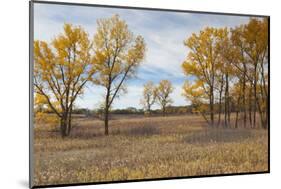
(119, 29)
(45, 118)
(39, 99)
(203, 55)
(71, 56)
(117, 53)
(148, 88)
(193, 91)
(149, 95)
(43, 58)
(252, 37)
(109, 30)
(62, 67)
(163, 92)
(165, 86)
(100, 57)
(190, 68)
(218, 57)
(68, 30)
(62, 70)
(42, 51)
(137, 51)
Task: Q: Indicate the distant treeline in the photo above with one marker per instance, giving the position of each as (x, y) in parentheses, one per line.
(170, 110)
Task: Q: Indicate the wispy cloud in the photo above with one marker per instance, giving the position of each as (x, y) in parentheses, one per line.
(164, 33)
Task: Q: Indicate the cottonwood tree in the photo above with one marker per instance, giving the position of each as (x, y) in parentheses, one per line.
(242, 66)
(256, 44)
(118, 54)
(149, 96)
(203, 62)
(252, 41)
(228, 55)
(163, 94)
(230, 67)
(61, 70)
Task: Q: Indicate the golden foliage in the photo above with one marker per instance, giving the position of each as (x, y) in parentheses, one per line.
(163, 94)
(118, 52)
(62, 68)
(220, 58)
(149, 95)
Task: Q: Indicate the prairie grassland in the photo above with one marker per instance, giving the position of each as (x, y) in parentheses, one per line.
(143, 148)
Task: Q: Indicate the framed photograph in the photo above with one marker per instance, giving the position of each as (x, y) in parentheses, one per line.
(122, 94)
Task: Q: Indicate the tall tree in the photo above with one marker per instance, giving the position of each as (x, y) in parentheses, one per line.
(228, 56)
(203, 62)
(149, 96)
(118, 53)
(252, 41)
(221, 62)
(237, 96)
(256, 44)
(163, 94)
(61, 70)
(242, 66)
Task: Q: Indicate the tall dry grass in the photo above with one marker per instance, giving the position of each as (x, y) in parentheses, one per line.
(142, 148)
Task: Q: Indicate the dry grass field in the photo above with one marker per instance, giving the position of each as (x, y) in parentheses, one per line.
(143, 148)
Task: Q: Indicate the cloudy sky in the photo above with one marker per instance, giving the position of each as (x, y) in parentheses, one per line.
(164, 33)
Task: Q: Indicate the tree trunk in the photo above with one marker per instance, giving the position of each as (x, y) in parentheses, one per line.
(263, 113)
(264, 91)
(266, 116)
(69, 121)
(63, 125)
(236, 119)
(250, 106)
(228, 114)
(212, 110)
(244, 97)
(226, 101)
(106, 111)
(106, 116)
(220, 107)
(237, 112)
(149, 110)
(106, 121)
(255, 95)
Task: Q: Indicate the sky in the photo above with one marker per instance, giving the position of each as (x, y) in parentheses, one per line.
(163, 32)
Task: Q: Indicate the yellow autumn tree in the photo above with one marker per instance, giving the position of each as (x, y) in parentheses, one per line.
(149, 96)
(61, 70)
(118, 53)
(203, 63)
(163, 94)
(223, 61)
(252, 41)
(256, 43)
(228, 55)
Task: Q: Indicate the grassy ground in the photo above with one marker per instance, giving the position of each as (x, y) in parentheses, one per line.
(141, 148)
